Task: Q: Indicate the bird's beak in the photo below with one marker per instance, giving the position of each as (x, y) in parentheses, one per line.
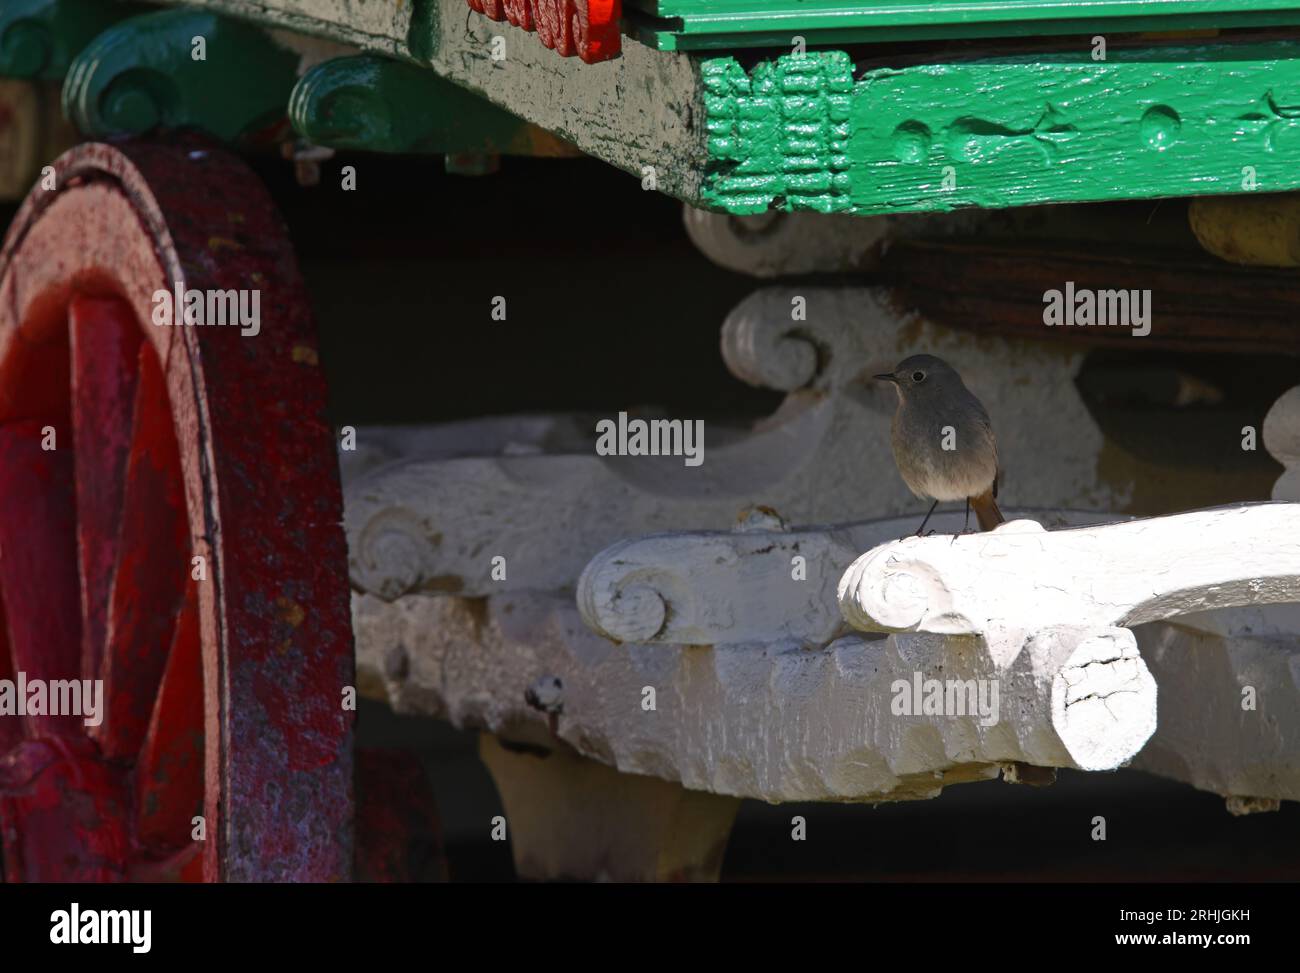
(886, 378)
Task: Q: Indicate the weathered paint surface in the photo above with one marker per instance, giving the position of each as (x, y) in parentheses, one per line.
(226, 691)
(380, 104)
(639, 109)
(587, 28)
(720, 24)
(801, 133)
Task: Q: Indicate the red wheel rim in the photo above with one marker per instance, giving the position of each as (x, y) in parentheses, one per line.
(223, 694)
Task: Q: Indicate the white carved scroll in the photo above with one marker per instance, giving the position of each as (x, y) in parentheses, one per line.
(774, 244)
(702, 588)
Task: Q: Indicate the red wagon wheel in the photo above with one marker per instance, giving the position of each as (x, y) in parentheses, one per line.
(169, 524)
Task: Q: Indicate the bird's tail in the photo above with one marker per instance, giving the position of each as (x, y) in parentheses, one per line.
(986, 511)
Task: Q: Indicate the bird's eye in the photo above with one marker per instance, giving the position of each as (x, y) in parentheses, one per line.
(918, 376)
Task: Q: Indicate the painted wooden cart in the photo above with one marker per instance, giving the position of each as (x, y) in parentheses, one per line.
(171, 498)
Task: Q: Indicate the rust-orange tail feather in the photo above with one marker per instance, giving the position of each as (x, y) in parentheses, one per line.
(986, 510)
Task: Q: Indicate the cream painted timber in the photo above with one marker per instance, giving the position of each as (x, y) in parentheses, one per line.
(568, 817)
(823, 457)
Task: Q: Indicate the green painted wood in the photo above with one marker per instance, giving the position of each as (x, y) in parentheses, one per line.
(802, 133)
(142, 73)
(722, 24)
(39, 38)
(378, 104)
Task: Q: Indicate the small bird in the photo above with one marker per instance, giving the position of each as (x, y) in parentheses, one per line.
(943, 439)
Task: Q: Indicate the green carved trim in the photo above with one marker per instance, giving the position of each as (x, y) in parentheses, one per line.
(142, 73)
(378, 104)
(722, 24)
(39, 38)
(801, 133)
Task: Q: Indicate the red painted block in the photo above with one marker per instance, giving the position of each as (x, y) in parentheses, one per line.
(587, 28)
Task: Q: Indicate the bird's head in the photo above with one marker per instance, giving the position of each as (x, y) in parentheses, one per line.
(921, 375)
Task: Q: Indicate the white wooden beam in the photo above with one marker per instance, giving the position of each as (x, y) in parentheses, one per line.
(1020, 578)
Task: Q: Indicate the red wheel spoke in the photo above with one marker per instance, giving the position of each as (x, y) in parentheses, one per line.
(152, 568)
(105, 347)
(38, 567)
(169, 774)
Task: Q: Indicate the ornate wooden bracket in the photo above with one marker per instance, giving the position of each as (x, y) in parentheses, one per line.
(142, 73)
(587, 28)
(380, 104)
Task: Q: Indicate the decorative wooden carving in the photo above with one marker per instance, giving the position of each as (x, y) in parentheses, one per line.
(704, 588)
(776, 244)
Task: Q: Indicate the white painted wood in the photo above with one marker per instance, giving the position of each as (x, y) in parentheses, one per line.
(742, 585)
(1020, 578)
(1229, 708)
(774, 244)
(823, 457)
(773, 721)
(1281, 436)
(774, 714)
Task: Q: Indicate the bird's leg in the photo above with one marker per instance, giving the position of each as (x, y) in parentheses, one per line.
(927, 518)
(965, 527)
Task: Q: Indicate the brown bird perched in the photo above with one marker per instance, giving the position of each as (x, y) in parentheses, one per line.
(943, 440)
